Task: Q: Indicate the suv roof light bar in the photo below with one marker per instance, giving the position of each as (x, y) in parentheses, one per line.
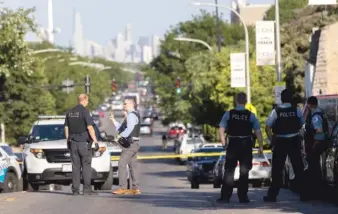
(52, 117)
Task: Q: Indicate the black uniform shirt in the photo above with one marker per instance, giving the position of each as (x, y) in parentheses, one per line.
(77, 120)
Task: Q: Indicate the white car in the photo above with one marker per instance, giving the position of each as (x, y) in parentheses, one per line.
(211, 145)
(48, 160)
(146, 129)
(260, 172)
(10, 170)
(117, 105)
(188, 145)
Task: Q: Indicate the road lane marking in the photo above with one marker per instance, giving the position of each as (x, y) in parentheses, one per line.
(10, 199)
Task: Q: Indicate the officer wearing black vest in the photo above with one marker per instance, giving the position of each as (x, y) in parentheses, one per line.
(129, 133)
(238, 123)
(316, 143)
(282, 127)
(80, 136)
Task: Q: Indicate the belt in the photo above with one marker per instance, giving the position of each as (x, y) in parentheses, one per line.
(240, 136)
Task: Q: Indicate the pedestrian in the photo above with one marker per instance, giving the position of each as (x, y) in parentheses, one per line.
(80, 136)
(238, 123)
(283, 128)
(164, 142)
(316, 143)
(130, 135)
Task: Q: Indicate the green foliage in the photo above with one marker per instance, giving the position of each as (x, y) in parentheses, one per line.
(205, 76)
(287, 10)
(20, 104)
(23, 73)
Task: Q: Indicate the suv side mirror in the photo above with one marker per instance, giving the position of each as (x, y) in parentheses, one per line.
(22, 140)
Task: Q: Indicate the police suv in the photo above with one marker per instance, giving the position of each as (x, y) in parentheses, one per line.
(10, 172)
(48, 160)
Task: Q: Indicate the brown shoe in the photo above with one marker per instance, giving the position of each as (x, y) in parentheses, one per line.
(136, 191)
(121, 192)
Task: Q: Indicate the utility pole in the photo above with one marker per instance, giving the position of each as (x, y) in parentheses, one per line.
(218, 28)
(87, 84)
(278, 48)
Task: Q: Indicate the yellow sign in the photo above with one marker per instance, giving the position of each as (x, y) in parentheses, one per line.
(251, 108)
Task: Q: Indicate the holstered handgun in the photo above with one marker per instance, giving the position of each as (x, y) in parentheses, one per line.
(89, 144)
(125, 142)
(69, 142)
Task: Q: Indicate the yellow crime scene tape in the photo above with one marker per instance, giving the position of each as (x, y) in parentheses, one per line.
(154, 157)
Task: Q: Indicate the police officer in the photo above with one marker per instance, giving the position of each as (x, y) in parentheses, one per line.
(282, 127)
(238, 123)
(80, 135)
(130, 129)
(316, 142)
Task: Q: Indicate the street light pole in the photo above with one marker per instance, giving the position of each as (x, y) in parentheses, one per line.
(248, 88)
(218, 28)
(278, 48)
(194, 40)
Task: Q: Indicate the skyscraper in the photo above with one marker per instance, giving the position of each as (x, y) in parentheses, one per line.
(78, 39)
(156, 45)
(128, 35)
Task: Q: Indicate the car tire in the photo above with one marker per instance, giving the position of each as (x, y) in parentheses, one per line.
(11, 183)
(33, 187)
(257, 184)
(195, 184)
(216, 184)
(285, 177)
(107, 185)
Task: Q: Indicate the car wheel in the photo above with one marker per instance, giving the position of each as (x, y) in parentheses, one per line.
(11, 183)
(195, 184)
(107, 185)
(285, 181)
(33, 187)
(257, 184)
(216, 184)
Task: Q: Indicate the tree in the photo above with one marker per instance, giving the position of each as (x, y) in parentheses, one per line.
(287, 10)
(20, 104)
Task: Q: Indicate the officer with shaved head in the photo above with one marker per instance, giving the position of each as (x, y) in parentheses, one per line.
(238, 123)
(80, 135)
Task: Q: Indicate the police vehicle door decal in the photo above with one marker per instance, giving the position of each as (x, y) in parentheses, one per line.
(3, 172)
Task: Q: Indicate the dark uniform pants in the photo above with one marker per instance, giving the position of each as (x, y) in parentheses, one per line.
(129, 157)
(284, 147)
(81, 157)
(239, 149)
(314, 181)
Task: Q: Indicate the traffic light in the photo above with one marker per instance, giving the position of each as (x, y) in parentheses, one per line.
(113, 85)
(87, 84)
(178, 85)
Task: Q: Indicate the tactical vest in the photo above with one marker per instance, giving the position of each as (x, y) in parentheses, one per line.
(287, 121)
(136, 131)
(76, 121)
(310, 131)
(239, 123)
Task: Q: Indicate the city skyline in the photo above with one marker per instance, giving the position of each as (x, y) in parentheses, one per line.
(103, 19)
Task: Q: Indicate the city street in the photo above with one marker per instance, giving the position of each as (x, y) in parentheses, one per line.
(165, 190)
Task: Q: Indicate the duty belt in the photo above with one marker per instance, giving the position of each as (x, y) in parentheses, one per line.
(239, 136)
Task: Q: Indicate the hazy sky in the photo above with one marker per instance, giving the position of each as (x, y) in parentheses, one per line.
(103, 19)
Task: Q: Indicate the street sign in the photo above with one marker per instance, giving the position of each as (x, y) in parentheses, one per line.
(265, 43)
(237, 62)
(278, 91)
(322, 2)
(68, 86)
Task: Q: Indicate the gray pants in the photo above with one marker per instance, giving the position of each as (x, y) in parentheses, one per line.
(81, 157)
(129, 156)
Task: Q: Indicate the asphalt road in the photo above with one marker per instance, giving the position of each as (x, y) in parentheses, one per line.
(165, 190)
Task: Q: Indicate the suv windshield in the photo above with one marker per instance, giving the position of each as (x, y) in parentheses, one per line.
(54, 132)
(8, 150)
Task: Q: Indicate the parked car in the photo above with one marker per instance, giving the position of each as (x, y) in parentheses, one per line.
(200, 169)
(259, 174)
(146, 129)
(188, 145)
